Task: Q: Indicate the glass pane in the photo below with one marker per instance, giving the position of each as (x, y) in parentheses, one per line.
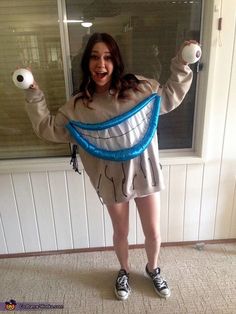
(149, 34)
(29, 36)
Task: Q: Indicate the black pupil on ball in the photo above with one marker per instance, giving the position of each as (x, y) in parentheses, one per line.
(20, 78)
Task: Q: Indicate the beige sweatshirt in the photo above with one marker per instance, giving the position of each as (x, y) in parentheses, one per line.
(114, 181)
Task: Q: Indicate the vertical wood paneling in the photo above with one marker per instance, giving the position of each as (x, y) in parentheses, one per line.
(3, 245)
(192, 202)
(224, 205)
(228, 166)
(176, 202)
(26, 209)
(108, 228)
(164, 206)
(139, 230)
(77, 202)
(73, 206)
(209, 199)
(231, 129)
(43, 207)
(9, 215)
(223, 114)
(95, 216)
(232, 233)
(132, 223)
(61, 209)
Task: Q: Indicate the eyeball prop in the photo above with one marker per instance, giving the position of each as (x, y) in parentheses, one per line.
(191, 53)
(22, 78)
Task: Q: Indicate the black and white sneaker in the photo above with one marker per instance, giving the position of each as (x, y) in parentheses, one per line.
(122, 288)
(160, 285)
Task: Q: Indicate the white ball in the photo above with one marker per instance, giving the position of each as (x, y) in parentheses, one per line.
(22, 78)
(191, 53)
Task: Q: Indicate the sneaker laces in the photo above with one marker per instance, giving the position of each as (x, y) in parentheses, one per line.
(158, 280)
(122, 281)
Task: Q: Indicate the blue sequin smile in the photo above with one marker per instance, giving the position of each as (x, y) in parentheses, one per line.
(123, 137)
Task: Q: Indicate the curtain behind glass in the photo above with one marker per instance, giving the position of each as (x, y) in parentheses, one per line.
(29, 36)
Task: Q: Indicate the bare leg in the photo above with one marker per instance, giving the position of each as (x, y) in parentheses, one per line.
(119, 214)
(149, 212)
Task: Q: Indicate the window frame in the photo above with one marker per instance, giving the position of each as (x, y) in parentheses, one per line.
(209, 34)
(187, 155)
(195, 155)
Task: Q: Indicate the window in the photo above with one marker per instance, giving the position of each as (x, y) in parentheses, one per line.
(148, 33)
(29, 37)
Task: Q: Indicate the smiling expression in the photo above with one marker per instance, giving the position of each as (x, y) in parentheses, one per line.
(101, 66)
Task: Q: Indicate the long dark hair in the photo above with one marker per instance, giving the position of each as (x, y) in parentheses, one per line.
(119, 82)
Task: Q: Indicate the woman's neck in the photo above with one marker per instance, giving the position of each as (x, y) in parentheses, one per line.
(102, 89)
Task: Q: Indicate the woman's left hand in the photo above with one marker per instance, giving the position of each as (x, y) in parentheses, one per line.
(186, 43)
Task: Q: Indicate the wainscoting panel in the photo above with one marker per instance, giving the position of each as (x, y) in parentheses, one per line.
(108, 229)
(78, 209)
(233, 217)
(26, 208)
(43, 208)
(61, 210)
(3, 244)
(55, 210)
(225, 215)
(140, 235)
(95, 213)
(11, 227)
(209, 200)
(177, 186)
(132, 223)
(164, 205)
(192, 205)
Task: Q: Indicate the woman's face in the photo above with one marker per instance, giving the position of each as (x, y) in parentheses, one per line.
(101, 66)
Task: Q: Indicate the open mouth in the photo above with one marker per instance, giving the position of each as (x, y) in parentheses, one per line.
(123, 137)
(100, 75)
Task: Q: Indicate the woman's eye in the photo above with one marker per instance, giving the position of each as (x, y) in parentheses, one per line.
(93, 57)
(108, 58)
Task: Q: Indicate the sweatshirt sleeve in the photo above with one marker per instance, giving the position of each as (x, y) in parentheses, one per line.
(174, 90)
(46, 126)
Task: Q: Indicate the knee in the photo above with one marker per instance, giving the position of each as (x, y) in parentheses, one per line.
(153, 236)
(120, 233)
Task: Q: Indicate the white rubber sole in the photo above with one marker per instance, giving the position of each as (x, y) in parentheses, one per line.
(120, 298)
(164, 296)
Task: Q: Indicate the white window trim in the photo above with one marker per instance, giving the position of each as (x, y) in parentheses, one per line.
(64, 35)
(209, 42)
(202, 113)
(205, 89)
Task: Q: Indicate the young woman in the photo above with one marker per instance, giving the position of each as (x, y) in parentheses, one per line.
(105, 94)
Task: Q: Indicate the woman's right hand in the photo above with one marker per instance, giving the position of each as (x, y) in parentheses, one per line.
(35, 84)
(24, 79)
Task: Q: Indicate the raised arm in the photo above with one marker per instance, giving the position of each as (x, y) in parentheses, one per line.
(46, 126)
(178, 84)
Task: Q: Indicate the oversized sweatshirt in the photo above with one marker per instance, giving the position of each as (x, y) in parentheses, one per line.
(113, 181)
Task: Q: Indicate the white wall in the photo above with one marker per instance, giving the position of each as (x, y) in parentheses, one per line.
(49, 207)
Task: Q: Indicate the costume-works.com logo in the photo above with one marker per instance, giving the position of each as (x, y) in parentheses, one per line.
(29, 306)
(11, 305)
